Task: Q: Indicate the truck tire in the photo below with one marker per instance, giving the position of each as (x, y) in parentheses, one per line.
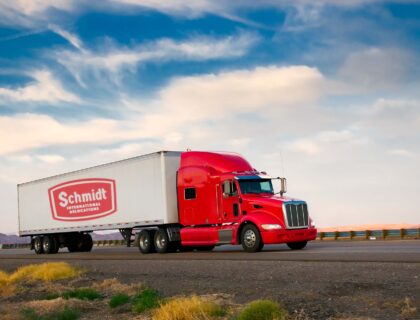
(56, 244)
(38, 245)
(251, 239)
(75, 243)
(162, 243)
(87, 242)
(297, 245)
(48, 244)
(147, 241)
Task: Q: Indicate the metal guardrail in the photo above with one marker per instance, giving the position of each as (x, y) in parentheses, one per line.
(98, 243)
(370, 234)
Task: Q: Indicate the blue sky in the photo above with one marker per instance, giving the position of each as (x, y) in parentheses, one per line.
(325, 92)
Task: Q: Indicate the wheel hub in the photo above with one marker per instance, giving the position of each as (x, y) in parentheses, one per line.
(250, 238)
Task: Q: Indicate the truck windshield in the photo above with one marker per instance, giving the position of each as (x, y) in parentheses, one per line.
(256, 186)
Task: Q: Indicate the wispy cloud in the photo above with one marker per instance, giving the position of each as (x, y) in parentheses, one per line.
(45, 88)
(73, 39)
(113, 59)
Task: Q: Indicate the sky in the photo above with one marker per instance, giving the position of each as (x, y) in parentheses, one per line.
(325, 93)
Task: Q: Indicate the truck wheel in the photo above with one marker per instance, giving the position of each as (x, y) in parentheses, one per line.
(56, 244)
(146, 241)
(161, 241)
(87, 242)
(297, 245)
(75, 243)
(38, 245)
(251, 239)
(48, 244)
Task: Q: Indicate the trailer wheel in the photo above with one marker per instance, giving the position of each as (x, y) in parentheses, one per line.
(48, 244)
(251, 238)
(161, 241)
(75, 243)
(38, 245)
(147, 241)
(87, 242)
(56, 244)
(297, 245)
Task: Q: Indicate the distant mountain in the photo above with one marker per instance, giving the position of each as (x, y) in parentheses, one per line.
(12, 238)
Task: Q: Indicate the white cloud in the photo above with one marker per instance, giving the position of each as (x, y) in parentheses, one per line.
(326, 141)
(375, 68)
(44, 89)
(29, 13)
(113, 59)
(185, 101)
(73, 39)
(50, 158)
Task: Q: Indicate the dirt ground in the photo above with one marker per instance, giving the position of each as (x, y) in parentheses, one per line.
(308, 290)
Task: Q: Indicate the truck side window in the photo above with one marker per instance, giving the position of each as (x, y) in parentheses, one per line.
(189, 193)
(229, 188)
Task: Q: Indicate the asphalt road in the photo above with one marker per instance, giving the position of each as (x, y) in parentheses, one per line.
(326, 280)
(356, 251)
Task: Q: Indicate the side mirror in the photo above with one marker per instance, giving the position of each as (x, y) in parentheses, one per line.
(283, 186)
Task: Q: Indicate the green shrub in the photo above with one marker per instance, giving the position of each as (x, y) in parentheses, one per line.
(147, 299)
(50, 296)
(66, 314)
(262, 310)
(118, 300)
(83, 294)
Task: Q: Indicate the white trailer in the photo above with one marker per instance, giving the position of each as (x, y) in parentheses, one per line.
(60, 211)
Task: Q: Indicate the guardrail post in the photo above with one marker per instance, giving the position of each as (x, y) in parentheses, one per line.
(368, 233)
(402, 233)
(322, 235)
(351, 233)
(384, 234)
(336, 235)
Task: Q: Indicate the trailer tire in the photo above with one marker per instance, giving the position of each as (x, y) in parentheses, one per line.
(147, 241)
(38, 245)
(297, 245)
(87, 243)
(56, 244)
(251, 238)
(75, 243)
(162, 243)
(48, 244)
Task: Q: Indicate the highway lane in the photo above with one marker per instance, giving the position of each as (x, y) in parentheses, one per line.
(338, 251)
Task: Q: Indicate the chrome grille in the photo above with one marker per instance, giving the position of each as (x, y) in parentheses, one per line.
(296, 215)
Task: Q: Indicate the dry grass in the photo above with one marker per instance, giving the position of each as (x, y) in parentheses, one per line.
(45, 272)
(407, 310)
(50, 271)
(112, 286)
(187, 308)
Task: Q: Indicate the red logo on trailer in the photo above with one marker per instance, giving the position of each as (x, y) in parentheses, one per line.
(84, 199)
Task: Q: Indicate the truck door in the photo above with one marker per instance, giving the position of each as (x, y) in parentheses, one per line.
(230, 201)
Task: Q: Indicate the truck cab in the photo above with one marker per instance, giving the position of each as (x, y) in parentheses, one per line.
(222, 199)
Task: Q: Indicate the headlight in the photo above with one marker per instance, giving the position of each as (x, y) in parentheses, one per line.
(271, 226)
(311, 223)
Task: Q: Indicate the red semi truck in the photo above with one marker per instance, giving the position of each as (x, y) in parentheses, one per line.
(168, 201)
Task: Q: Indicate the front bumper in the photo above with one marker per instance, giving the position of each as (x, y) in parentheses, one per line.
(284, 236)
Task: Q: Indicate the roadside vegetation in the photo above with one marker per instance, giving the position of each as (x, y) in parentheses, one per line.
(60, 291)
